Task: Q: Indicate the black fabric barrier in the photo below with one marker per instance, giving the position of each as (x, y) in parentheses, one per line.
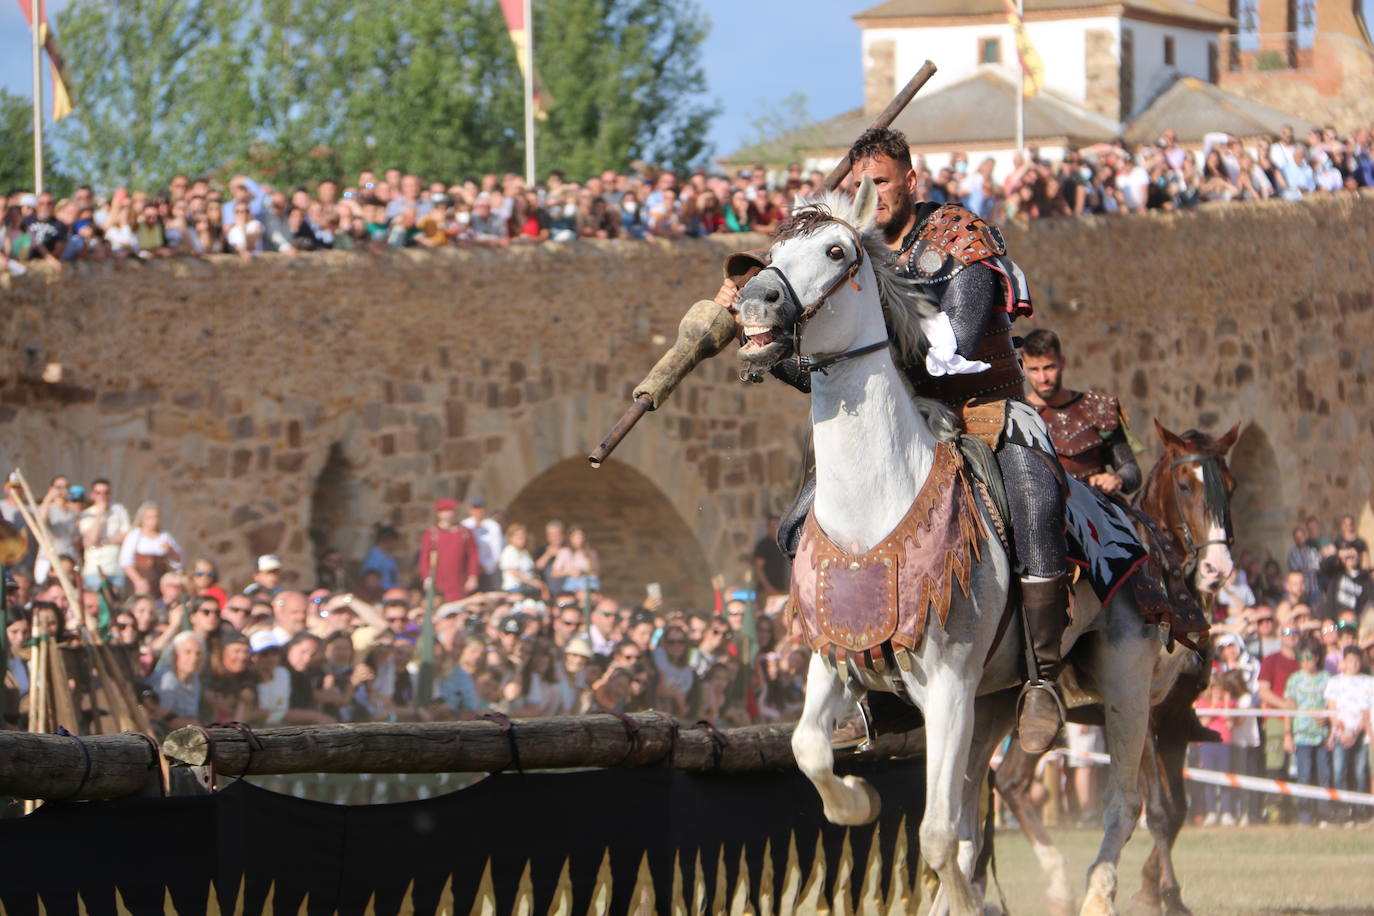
(247, 840)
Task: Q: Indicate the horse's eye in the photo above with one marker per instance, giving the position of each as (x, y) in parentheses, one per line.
(835, 253)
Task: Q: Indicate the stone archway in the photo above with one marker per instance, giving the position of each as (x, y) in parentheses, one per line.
(636, 531)
(339, 515)
(1257, 507)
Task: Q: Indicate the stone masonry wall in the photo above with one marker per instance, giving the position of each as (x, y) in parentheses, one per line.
(254, 401)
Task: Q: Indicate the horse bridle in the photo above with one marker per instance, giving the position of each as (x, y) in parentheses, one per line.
(806, 313)
(1185, 531)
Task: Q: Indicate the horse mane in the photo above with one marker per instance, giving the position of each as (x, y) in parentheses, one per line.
(903, 301)
(1216, 498)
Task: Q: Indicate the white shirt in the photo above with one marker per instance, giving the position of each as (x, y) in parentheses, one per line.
(136, 542)
(236, 236)
(274, 696)
(1135, 188)
(487, 534)
(518, 560)
(1352, 694)
(103, 532)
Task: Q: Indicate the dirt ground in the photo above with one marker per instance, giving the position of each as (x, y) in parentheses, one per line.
(1224, 871)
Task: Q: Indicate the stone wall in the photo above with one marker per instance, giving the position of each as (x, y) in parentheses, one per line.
(281, 405)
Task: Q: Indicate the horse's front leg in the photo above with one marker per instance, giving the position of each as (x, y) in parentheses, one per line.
(1122, 663)
(1015, 777)
(948, 708)
(849, 800)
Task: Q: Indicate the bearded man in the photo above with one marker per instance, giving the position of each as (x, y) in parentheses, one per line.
(960, 263)
(1088, 427)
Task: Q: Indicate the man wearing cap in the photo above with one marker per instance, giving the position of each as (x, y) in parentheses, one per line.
(453, 551)
(267, 577)
(490, 543)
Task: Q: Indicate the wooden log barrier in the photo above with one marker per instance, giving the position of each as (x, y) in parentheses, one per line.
(555, 742)
(56, 768)
(62, 768)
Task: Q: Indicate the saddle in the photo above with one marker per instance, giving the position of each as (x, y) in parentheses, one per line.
(861, 605)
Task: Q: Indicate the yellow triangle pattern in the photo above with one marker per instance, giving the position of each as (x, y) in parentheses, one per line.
(801, 890)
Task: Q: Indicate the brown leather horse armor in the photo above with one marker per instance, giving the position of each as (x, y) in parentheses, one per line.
(859, 602)
(1080, 430)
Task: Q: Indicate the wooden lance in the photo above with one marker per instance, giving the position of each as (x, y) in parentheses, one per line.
(707, 328)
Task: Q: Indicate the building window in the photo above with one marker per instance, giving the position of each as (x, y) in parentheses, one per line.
(990, 51)
(1168, 50)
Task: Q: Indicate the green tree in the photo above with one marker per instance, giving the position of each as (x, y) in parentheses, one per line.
(158, 87)
(16, 148)
(298, 89)
(624, 78)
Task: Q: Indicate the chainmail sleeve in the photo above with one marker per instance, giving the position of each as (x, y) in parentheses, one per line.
(1123, 460)
(968, 300)
(788, 371)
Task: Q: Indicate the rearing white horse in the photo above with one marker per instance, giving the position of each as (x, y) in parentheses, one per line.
(829, 297)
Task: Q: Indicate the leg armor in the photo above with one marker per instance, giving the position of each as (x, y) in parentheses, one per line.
(1038, 524)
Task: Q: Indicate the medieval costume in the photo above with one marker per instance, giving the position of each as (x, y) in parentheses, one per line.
(972, 367)
(1089, 433)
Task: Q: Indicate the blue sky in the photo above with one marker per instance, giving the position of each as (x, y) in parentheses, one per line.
(746, 58)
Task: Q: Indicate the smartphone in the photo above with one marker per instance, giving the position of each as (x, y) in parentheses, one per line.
(655, 591)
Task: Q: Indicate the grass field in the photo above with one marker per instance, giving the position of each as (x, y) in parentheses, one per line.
(1224, 871)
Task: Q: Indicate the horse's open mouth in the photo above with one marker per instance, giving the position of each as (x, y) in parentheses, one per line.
(763, 345)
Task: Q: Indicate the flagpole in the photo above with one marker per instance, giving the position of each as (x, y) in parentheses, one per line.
(529, 93)
(37, 101)
(1021, 84)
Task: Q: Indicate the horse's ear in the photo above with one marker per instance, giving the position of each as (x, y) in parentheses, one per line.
(1228, 440)
(1169, 439)
(865, 203)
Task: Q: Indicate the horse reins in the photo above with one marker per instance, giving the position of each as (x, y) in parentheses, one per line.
(809, 311)
(1191, 544)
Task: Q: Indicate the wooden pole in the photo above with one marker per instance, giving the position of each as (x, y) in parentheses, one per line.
(51, 766)
(884, 119)
(37, 23)
(28, 508)
(35, 766)
(554, 742)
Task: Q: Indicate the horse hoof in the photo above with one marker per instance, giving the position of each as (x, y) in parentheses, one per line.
(1148, 902)
(1100, 899)
(861, 806)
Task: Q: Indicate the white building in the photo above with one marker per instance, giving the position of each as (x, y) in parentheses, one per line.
(1104, 65)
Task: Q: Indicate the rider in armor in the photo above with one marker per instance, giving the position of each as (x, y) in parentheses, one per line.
(960, 262)
(1088, 427)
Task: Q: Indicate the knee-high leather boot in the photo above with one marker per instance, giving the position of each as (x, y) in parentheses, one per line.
(1041, 710)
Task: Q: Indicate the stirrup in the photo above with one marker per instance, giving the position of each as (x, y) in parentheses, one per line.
(1040, 686)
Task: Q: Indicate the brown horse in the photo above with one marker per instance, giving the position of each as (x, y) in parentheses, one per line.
(1186, 504)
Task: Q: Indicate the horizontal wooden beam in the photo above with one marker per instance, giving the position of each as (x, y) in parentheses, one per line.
(556, 742)
(60, 768)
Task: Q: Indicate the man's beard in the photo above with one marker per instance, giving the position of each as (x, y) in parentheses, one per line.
(897, 217)
(1053, 391)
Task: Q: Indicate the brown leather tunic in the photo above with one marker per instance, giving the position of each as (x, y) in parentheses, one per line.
(1080, 429)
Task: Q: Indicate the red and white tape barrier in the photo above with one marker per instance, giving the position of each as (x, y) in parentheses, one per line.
(1253, 783)
(1266, 713)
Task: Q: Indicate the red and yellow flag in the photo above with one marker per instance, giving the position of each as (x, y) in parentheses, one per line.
(1032, 69)
(519, 36)
(61, 93)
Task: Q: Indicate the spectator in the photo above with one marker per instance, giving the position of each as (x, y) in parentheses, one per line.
(452, 550)
(1351, 588)
(179, 686)
(147, 552)
(577, 564)
(381, 557)
(737, 213)
(1305, 737)
(289, 615)
(1349, 694)
(487, 533)
(555, 538)
(517, 566)
(266, 577)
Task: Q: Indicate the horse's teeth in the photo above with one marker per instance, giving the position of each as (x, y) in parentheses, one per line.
(752, 331)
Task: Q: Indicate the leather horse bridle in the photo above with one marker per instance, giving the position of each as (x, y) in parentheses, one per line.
(1184, 530)
(807, 312)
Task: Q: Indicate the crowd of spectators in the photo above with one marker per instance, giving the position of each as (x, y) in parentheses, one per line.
(394, 210)
(1296, 635)
(521, 627)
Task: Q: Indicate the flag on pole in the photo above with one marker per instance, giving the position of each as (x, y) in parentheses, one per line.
(1032, 69)
(61, 93)
(519, 35)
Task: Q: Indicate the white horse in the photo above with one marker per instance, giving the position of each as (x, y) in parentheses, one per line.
(828, 292)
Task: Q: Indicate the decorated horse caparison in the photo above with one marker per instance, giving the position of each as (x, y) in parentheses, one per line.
(1184, 512)
(903, 574)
